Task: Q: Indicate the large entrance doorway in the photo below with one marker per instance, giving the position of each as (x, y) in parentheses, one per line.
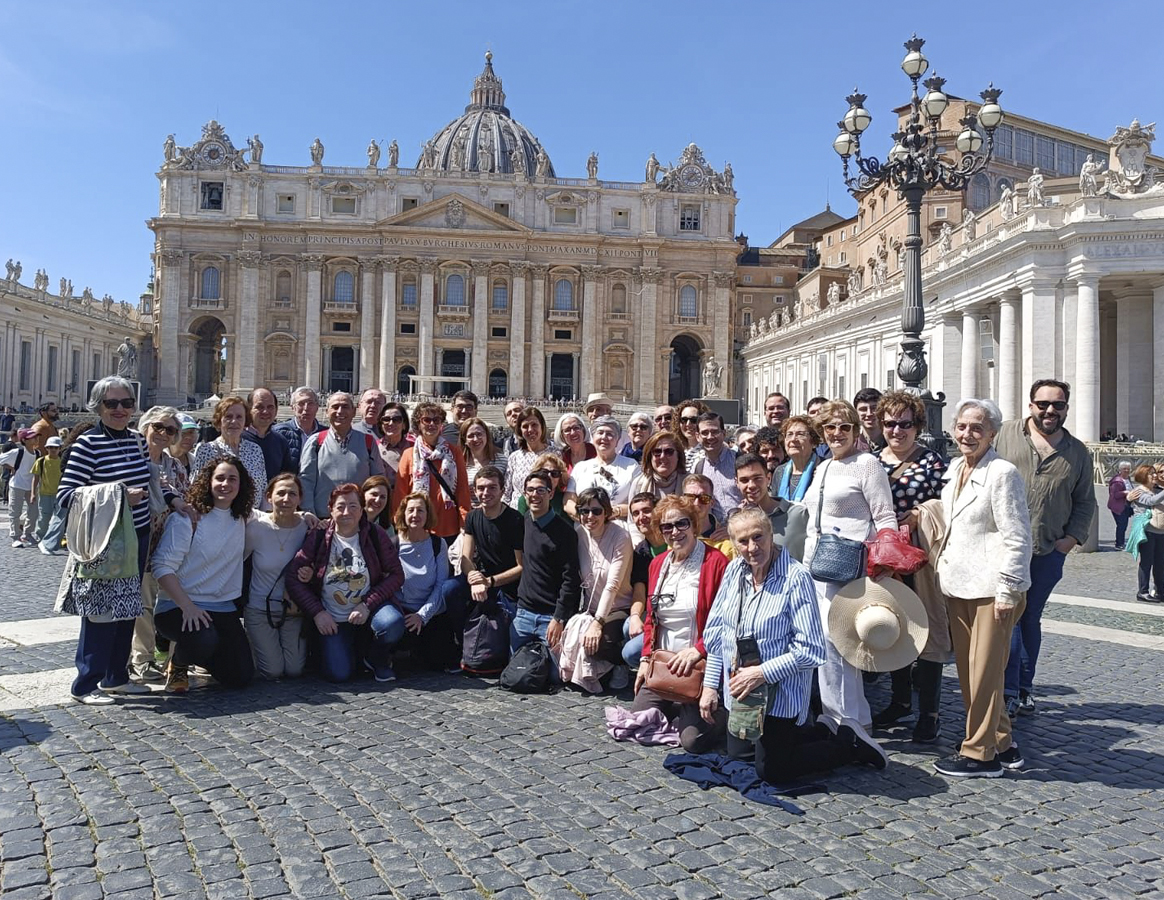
(207, 364)
(342, 372)
(562, 375)
(683, 375)
(453, 365)
(498, 383)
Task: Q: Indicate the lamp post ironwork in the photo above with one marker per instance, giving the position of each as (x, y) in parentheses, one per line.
(914, 166)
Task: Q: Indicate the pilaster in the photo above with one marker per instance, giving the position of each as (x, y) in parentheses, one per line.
(312, 372)
(478, 371)
(169, 312)
(539, 362)
(248, 321)
(388, 266)
(367, 370)
(722, 329)
(648, 328)
(424, 331)
(585, 376)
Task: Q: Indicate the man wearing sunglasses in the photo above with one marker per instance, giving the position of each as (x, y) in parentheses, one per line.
(1057, 470)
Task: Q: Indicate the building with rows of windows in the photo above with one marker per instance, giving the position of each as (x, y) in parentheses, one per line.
(477, 266)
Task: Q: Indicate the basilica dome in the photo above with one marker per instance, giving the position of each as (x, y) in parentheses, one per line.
(485, 137)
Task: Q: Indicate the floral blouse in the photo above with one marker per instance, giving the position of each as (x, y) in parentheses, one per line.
(921, 480)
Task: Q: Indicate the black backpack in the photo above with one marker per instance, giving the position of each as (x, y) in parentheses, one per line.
(528, 671)
(485, 648)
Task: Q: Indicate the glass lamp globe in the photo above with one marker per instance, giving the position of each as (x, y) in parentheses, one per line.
(844, 144)
(990, 115)
(898, 152)
(969, 141)
(857, 119)
(915, 64)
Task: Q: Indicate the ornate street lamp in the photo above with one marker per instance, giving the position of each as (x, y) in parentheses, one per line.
(914, 166)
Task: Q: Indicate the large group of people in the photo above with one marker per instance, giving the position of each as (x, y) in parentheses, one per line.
(720, 578)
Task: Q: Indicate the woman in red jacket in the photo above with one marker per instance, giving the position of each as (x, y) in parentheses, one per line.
(352, 568)
(680, 590)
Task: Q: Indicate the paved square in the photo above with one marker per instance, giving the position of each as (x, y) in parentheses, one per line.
(440, 786)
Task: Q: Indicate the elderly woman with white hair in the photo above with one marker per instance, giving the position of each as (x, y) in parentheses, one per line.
(639, 428)
(984, 568)
(1117, 500)
(607, 470)
(572, 434)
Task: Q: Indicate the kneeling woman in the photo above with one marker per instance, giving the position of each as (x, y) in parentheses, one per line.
(680, 590)
(352, 569)
(764, 638)
(200, 576)
(415, 612)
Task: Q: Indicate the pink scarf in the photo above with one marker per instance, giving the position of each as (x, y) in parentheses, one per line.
(441, 457)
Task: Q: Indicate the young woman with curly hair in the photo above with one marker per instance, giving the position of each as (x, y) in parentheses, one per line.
(200, 578)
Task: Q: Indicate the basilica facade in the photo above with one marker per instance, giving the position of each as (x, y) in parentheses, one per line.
(478, 266)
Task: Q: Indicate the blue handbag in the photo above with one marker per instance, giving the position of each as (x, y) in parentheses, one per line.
(836, 559)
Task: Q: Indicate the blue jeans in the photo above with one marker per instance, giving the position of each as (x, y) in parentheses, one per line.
(632, 650)
(45, 509)
(1121, 524)
(54, 535)
(438, 641)
(1027, 637)
(337, 653)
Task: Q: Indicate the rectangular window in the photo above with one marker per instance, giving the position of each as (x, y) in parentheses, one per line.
(341, 326)
(499, 331)
(747, 279)
(50, 380)
(408, 328)
(778, 279)
(986, 339)
(408, 295)
(286, 203)
(941, 212)
(1045, 154)
(689, 217)
(345, 206)
(1004, 142)
(746, 319)
(828, 240)
(842, 234)
(26, 365)
(565, 215)
(1065, 159)
(1024, 147)
(563, 334)
(844, 257)
(502, 209)
(620, 218)
(747, 298)
(212, 192)
(408, 203)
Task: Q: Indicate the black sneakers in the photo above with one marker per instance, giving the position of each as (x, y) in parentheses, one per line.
(1011, 758)
(927, 730)
(892, 714)
(964, 767)
(865, 749)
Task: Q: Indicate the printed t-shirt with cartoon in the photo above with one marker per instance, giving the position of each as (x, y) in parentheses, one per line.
(345, 583)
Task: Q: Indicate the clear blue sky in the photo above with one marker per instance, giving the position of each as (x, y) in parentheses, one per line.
(89, 92)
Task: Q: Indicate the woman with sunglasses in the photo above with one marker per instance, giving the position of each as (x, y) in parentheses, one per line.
(555, 467)
(1147, 498)
(680, 592)
(572, 434)
(231, 418)
(793, 478)
(590, 647)
(392, 430)
(531, 443)
(685, 426)
(435, 467)
(851, 494)
(477, 442)
(110, 453)
(664, 468)
(639, 428)
(159, 426)
(916, 475)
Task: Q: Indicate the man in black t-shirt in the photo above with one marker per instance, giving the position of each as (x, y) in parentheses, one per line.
(490, 551)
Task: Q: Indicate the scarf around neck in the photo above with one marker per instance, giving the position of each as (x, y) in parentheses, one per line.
(441, 458)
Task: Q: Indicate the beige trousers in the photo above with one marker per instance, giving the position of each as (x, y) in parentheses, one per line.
(981, 650)
(144, 639)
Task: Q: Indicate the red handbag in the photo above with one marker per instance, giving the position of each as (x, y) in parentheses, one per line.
(891, 553)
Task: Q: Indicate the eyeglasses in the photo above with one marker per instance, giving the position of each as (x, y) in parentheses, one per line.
(124, 403)
(701, 499)
(539, 491)
(795, 436)
(571, 429)
(637, 425)
(431, 420)
(689, 420)
(161, 426)
(662, 601)
(1057, 405)
(663, 451)
(677, 525)
(590, 511)
(392, 420)
(842, 427)
(890, 425)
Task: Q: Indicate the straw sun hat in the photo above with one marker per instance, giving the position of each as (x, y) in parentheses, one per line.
(878, 626)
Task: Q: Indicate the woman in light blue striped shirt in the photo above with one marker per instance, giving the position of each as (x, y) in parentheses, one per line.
(764, 638)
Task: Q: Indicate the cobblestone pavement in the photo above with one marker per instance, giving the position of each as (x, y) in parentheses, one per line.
(440, 786)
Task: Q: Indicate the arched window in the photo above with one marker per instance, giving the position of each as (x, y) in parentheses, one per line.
(283, 287)
(345, 288)
(403, 386)
(498, 383)
(455, 291)
(500, 296)
(980, 192)
(618, 298)
(210, 283)
(688, 304)
(563, 294)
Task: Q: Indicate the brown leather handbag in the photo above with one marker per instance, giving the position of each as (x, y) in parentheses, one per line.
(669, 686)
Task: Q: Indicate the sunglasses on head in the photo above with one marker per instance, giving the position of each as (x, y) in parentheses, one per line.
(124, 403)
(1057, 405)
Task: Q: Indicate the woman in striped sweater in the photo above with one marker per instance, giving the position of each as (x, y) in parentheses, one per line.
(109, 453)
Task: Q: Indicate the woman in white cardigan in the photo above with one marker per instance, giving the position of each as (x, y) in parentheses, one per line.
(984, 569)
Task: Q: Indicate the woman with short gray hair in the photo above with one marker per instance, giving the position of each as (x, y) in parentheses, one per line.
(1117, 500)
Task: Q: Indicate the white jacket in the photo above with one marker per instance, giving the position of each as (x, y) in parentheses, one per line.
(987, 550)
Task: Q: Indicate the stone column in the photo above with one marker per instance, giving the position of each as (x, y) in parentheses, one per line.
(546, 383)
(576, 375)
(1038, 337)
(312, 372)
(1008, 349)
(971, 354)
(388, 324)
(517, 329)
(539, 360)
(478, 372)
(367, 370)
(723, 328)
(170, 313)
(1134, 369)
(248, 322)
(1067, 334)
(647, 390)
(585, 376)
(1085, 393)
(1158, 360)
(425, 331)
